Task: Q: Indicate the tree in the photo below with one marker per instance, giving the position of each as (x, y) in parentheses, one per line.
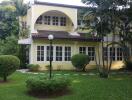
(21, 8)
(9, 24)
(105, 20)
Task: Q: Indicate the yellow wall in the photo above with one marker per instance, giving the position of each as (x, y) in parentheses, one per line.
(60, 64)
(36, 10)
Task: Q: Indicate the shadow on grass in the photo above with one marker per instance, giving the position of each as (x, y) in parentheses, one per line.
(43, 95)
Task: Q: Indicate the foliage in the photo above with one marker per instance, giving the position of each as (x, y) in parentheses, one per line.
(24, 33)
(21, 8)
(33, 67)
(128, 64)
(9, 24)
(80, 61)
(9, 46)
(82, 88)
(105, 17)
(22, 55)
(8, 65)
(40, 84)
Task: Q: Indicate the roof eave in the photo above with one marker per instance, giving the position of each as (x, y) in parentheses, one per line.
(60, 5)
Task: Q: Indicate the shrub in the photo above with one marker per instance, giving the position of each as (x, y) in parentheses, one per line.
(128, 64)
(80, 61)
(8, 65)
(33, 67)
(41, 84)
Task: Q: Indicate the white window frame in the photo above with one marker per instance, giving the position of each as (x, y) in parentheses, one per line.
(106, 53)
(67, 53)
(41, 53)
(47, 20)
(63, 21)
(114, 53)
(55, 20)
(119, 54)
(59, 57)
(92, 58)
(48, 53)
(82, 51)
(39, 20)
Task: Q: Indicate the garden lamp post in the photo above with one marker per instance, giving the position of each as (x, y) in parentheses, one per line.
(50, 37)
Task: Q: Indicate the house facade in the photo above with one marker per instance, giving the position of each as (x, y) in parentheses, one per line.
(60, 20)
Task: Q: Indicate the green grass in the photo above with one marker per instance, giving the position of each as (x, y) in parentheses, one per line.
(116, 87)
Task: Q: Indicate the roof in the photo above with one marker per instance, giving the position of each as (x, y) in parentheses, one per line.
(62, 4)
(64, 35)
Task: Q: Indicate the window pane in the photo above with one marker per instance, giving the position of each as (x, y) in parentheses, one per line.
(40, 53)
(105, 53)
(47, 20)
(58, 53)
(39, 20)
(67, 53)
(55, 20)
(48, 53)
(63, 21)
(82, 50)
(112, 53)
(91, 53)
(119, 54)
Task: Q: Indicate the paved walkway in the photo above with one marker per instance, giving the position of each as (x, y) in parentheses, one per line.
(69, 74)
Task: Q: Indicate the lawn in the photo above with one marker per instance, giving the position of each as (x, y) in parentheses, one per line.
(117, 87)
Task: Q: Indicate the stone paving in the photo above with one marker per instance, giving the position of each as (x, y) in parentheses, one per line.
(67, 74)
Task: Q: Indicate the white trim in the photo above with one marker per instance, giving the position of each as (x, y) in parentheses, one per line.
(54, 53)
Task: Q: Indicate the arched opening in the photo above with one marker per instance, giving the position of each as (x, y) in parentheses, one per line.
(55, 21)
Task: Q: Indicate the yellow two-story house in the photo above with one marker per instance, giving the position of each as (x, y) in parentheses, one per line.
(60, 20)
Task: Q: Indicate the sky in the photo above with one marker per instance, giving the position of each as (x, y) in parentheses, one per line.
(74, 2)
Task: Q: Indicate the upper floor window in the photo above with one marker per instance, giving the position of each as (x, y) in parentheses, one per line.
(24, 25)
(47, 20)
(52, 20)
(63, 21)
(39, 20)
(55, 20)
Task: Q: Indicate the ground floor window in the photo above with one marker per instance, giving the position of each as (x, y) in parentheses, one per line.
(112, 53)
(48, 53)
(40, 53)
(119, 54)
(90, 51)
(58, 53)
(116, 53)
(67, 53)
(82, 50)
(105, 50)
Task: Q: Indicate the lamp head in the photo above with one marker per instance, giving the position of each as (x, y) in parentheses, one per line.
(50, 37)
